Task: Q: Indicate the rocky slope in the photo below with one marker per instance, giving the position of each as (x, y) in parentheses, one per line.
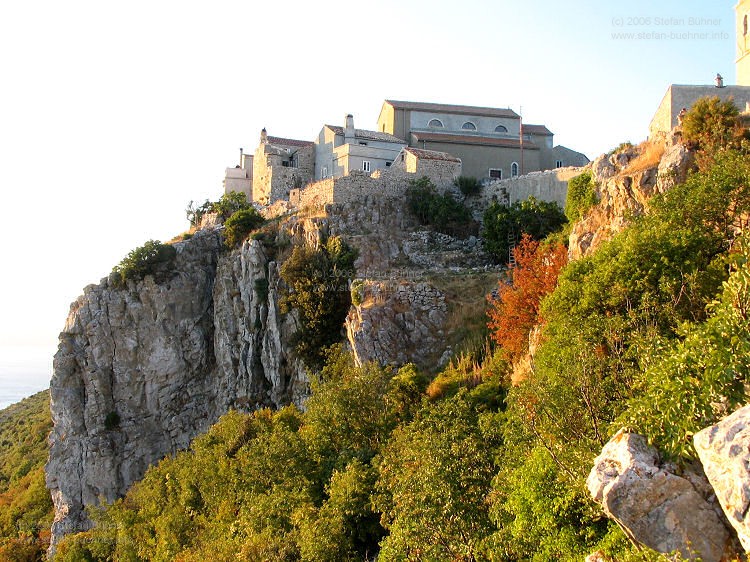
(142, 370)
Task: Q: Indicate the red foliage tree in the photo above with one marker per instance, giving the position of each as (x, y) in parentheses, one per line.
(515, 310)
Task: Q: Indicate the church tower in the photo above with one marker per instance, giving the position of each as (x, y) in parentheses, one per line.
(742, 11)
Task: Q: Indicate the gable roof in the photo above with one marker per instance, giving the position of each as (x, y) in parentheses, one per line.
(367, 135)
(288, 142)
(537, 130)
(475, 140)
(457, 109)
(431, 154)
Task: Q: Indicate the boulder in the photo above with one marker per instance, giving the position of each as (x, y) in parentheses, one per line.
(654, 505)
(724, 450)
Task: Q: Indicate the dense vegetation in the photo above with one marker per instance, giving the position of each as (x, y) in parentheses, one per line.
(581, 196)
(153, 258)
(504, 225)
(240, 224)
(25, 504)
(440, 211)
(468, 185)
(319, 290)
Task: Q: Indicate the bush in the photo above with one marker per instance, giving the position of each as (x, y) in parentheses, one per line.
(239, 225)
(711, 124)
(442, 212)
(318, 279)
(153, 258)
(581, 196)
(112, 421)
(504, 225)
(225, 207)
(468, 185)
(358, 291)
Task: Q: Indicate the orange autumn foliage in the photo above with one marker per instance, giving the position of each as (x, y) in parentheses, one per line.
(515, 310)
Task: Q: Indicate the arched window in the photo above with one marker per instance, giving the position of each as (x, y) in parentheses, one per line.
(435, 123)
(501, 129)
(469, 126)
(514, 169)
(744, 25)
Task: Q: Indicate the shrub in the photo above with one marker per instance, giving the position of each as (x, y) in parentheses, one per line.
(468, 185)
(239, 225)
(442, 212)
(318, 279)
(225, 207)
(152, 258)
(357, 291)
(711, 123)
(112, 421)
(503, 225)
(581, 196)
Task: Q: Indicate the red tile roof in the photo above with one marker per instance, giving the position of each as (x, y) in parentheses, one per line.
(477, 140)
(536, 130)
(456, 109)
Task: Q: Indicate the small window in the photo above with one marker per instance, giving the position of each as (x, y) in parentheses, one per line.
(365, 165)
(324, 173)
(501, 129)
(514, 170)
(496, 173)
(559, 164)
(744, 25)
(469, 126)
(388, 164)
(435, 123)
(363, 143)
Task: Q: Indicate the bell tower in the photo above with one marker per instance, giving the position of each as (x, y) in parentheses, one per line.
(742, 11)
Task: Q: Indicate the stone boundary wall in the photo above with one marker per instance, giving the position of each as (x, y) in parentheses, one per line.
(385, 184)
(550, 185)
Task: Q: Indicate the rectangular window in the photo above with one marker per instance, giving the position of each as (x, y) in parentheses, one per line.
(366, 165)
(496, 173)
(324, 173)
(362, 143)
(388, 164)
(558, 164)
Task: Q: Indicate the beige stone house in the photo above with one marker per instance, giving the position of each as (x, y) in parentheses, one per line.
(340, 150)
(279, 165)
(487, 140)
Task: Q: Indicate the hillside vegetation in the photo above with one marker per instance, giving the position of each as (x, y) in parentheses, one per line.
(650, 332)
(25, 504)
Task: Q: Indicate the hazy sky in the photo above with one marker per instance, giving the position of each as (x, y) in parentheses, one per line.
(114, 115)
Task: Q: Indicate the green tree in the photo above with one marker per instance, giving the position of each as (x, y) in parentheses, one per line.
(240, 224)
(711, 123)
(442, 212)
(581, 196)
(318, 280)
(153, 258)
(505, 224)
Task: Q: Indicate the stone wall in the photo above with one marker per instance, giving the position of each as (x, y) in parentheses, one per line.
(551, 185)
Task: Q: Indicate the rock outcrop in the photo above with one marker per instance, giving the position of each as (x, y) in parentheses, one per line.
(724, 450)
(398, 322)
(657, 507)
(142, 370)
(625, 182)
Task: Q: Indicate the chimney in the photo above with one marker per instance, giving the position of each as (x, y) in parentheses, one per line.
(241, 152)
(349, 129)
(263, 136)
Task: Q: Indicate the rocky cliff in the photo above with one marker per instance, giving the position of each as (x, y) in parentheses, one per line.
(142, 370)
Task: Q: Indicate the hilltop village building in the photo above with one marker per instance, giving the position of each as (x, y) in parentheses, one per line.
(679, 96)
(486, 143)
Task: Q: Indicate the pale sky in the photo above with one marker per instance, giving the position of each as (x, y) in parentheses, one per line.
(114, 115)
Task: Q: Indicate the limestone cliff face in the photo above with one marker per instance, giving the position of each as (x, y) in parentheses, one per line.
(142, 370)
(625, 183)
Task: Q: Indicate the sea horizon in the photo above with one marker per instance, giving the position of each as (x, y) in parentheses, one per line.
(24, 371)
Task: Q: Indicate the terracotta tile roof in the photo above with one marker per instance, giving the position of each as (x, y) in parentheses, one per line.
(456, 109)
(477, 140)
(368, 135)
(536, 130)
(431, 154)
(288, 142)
